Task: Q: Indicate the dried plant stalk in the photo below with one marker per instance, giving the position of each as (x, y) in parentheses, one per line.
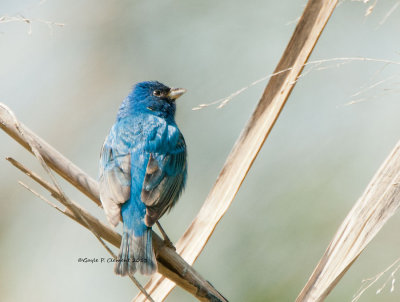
(374, 208)
(55, 160)
(170, 263)
(100, 228)
(238, 163)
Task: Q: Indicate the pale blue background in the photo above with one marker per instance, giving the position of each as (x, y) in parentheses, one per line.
(67, 84)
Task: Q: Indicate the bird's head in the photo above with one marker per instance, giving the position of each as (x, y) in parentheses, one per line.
(152, 97)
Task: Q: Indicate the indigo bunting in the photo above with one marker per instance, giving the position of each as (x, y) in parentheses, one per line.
(142, 171)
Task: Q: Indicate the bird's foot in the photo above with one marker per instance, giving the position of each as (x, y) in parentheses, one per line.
(167, 241)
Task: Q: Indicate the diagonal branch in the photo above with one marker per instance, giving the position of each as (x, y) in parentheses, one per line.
(106, 232)
(55, 160)
(170, 263)
(374, 208)
(246, 148)
(72, 210)
(43, 198)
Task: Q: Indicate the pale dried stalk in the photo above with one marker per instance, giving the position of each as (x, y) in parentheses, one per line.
(106, 232)
(378, 203)
(238, 163)
(55, 160)
(42, 198)
(170, 263)
(58, 193)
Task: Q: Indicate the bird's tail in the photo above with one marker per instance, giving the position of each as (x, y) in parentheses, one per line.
(136, 254)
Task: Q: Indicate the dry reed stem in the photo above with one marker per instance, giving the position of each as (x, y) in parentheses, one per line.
(378, 203)
(170, 263)
(246, 148)
(106, 232)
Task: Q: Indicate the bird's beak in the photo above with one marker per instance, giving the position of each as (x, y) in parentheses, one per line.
(175, 93)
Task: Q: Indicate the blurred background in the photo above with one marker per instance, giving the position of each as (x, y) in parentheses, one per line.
(340, 123)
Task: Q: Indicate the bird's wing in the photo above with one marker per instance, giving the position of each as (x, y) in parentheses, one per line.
(115, 177)
(165, 177)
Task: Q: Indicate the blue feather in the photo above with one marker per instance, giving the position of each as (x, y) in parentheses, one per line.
(142, 171)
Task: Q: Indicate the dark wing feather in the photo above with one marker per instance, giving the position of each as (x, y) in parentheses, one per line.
(164, 181)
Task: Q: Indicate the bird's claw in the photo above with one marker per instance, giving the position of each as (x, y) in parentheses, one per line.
(168, 243)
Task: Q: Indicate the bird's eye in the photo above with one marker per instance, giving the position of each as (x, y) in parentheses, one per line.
(157, 92)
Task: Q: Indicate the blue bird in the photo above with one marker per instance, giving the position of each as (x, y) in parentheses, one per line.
(142, 171)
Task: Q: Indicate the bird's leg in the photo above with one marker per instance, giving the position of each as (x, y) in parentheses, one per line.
(167, 241)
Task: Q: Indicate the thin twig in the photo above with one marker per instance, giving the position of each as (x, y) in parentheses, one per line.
(391, 11)
(370, 8)
(371, 281)
(41, 197)
(376, 84)
(29, 21)
(345, 60)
